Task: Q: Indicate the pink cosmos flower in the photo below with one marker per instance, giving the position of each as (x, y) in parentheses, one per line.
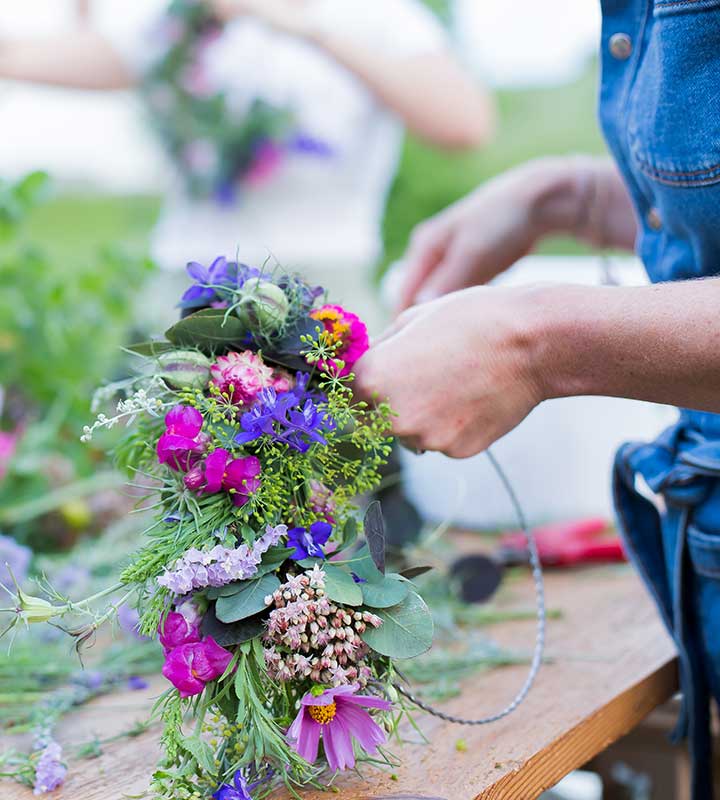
(176, 631)
(190, 666)
(220, 471)
(241, 376)
(338, 715)
(182, 443)
(346, 330)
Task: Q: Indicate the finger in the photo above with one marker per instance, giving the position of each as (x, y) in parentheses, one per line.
(454, 272)
(400, 322)
(423, 256)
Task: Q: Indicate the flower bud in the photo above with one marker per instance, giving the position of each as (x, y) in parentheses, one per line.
(35, 609)
(181, 369)
(263, 305)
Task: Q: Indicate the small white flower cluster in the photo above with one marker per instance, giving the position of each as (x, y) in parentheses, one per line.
(138, 403)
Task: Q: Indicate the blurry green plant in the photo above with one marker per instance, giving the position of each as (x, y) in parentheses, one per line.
(61, 331)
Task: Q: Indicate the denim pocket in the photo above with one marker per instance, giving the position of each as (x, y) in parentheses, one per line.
(674, 107)
(704, 550)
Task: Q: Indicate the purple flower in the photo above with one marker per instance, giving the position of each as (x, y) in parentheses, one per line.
(190, 666)
(238, 791)
(136, 683)
(308, 544)
(216, 282)
(129, 618)
(338, 715)
(175, 630)
(220, 471)
(182, 443)
(50, 771)
(309, 145)
(292, 417)
(16, 556)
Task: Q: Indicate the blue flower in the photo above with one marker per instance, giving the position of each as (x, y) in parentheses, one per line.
(292, 417)
(240, 790)
(357, 578)
(308, 544)
(216, 282)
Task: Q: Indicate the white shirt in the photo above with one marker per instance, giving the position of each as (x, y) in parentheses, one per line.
(314, 210)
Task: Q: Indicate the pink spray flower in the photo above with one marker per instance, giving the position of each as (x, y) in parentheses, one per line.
(338, 715)
(190, 666)
(182, 443)
(220, 471)
(347, 331)
(267, 159)
(241, 376)
(176, 631)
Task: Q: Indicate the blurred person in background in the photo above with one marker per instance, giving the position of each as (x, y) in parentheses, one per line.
(465, 363)
(350, 74)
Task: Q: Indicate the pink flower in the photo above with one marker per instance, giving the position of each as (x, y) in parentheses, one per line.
(220, 471)
(266, 161)
(190, 666)
(8, 445)
(176, 631)
(338, 715)
(347, 331)
(241, 376)
(182, 443)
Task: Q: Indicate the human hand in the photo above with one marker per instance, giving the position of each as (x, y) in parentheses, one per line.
(459, 371)
(483, 234)
(288, 16)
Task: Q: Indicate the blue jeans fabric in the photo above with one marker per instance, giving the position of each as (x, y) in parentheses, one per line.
(660, 113)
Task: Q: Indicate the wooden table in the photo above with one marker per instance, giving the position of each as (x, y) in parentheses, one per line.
(612, 663)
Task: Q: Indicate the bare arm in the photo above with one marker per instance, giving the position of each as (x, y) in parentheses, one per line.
(483, 234)
(81, 59)
(431, 93)
(465, 369)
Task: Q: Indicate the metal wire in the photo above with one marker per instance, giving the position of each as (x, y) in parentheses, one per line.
(541, 620)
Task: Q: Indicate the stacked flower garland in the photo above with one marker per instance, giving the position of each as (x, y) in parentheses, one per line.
(216, 145)
(279, 624)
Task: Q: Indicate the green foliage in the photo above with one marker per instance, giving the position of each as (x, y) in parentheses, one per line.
(407, 629)
(246, 600)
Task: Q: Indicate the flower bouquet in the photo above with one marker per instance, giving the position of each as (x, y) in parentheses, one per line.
(266, 588)
(216, 143)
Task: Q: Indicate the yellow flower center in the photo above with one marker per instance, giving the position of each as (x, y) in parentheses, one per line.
(335, 328)
(323, 714)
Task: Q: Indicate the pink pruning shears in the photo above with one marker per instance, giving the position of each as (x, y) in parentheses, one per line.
(561, 544)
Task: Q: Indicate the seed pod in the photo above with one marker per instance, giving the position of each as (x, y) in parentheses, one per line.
(184, 369)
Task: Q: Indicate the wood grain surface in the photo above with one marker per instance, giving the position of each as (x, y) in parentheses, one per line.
(611, 663)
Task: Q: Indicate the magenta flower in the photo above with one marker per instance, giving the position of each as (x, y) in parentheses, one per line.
(220, 471)
(347, 331)
(267, 159)
(176, 631)
(338, 715)
(8, 445)
(190, 666)
(182, 443)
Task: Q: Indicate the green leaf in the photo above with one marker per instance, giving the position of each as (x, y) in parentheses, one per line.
(385, 593)
(350, 533)
(364, 567)
(201, 752)
(340, 586)
(406, 632)
(273, 558)
(235, 633)
(248, 601)
(150, 348)
(374, 527)
(415, 572)
(207, 330)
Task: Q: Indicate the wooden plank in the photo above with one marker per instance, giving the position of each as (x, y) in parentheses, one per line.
(611, 664)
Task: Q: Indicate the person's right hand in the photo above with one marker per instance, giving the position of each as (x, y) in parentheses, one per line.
(475, 239)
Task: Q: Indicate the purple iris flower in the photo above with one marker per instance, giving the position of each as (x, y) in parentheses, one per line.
(216, 282)
(308, 543)
(291, 417)
(240, 790)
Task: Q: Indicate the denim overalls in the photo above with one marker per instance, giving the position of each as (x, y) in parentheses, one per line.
(660, 112)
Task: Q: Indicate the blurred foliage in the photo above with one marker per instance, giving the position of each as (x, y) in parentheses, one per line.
(65, 310)
(531, 123)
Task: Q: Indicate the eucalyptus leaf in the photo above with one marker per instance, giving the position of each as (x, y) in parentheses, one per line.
(350, 533)
(406, 630)
(415, 572)
(150, 348)
(273, 558)
(248, 601)
(340, 586)
(374, 526)
(385, 593)
(364, 567)
(235, 633)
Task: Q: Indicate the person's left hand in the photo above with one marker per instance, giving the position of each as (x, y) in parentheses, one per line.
(288, 16)
(458, 371)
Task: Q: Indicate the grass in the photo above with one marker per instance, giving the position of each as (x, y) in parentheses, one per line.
(532, 123)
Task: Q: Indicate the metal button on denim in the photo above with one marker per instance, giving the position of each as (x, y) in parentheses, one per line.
(653, 219)
(620, 46)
